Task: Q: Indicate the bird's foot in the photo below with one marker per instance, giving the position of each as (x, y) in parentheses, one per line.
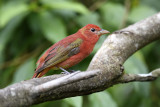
(72, 71)
(64, 71)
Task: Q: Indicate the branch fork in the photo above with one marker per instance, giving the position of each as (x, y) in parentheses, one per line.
(103, 72)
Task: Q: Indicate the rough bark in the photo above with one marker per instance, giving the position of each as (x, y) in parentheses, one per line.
(104, 71)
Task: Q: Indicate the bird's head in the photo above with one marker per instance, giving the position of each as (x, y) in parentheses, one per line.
(92, 30)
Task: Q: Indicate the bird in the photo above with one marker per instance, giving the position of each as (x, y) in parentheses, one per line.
(70, 50)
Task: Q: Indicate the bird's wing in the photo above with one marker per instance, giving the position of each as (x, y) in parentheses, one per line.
(61, 53)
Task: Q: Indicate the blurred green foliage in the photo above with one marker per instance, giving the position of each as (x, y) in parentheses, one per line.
(29, 27)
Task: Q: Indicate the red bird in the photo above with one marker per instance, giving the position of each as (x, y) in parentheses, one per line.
(70, 50)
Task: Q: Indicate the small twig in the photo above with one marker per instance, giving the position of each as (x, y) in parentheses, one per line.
(114, 52)
(139, 77)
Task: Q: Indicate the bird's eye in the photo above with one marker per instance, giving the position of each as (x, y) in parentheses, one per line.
(93, 30)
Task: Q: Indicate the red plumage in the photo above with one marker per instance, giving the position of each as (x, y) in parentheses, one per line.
(70, 50)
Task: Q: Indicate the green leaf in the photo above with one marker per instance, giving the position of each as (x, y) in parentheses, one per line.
(25, 71)
(34, 22)
(121, 93)
(60, 4)
(8, 31)
(136, 65)
(52, 26)
(91, 18)
(99, 43)
(147, 49)
(152, 3)
(6, 76)
(74, 101)
(10, 10)
(57, 103)
(140, 12)
(112, 15)
(101, 99)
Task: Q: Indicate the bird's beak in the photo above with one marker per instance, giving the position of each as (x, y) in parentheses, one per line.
(102, 32)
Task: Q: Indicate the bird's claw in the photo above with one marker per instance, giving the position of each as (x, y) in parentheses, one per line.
(72, 71)
(65, 72)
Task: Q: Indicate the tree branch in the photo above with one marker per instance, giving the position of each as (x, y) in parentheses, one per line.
(139, 77)
(106, 67)
(77, 76)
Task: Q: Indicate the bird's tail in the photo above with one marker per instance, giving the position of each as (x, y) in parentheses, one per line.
(41, 73)
(35, 75)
